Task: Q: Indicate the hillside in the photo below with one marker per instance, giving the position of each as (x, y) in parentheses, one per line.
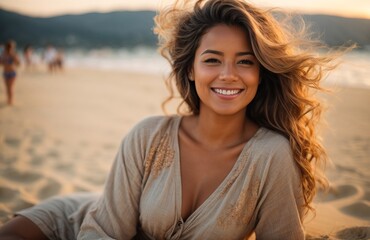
(336, 31)
(132, 28)
(115, 29)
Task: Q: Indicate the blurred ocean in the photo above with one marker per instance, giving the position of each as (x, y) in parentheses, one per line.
(353, 71)
(146, 60)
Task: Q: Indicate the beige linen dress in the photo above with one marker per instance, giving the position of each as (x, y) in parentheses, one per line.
(142, 195)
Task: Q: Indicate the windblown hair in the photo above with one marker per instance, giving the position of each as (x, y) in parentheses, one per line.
(291, 70)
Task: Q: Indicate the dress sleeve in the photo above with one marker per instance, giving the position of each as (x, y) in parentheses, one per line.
(281, 204)
(115, 215)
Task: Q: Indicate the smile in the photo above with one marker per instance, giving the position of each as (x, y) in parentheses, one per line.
(227, 92)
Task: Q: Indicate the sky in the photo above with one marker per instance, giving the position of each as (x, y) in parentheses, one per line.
(46, 8)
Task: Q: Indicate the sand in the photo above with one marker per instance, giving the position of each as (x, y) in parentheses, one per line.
(65, 128)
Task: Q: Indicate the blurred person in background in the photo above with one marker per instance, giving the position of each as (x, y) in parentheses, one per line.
(28, 56)
(10, 60)
(59, 60)
(50, 56)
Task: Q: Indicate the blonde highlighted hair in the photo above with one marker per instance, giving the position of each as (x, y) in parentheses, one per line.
(291, 71)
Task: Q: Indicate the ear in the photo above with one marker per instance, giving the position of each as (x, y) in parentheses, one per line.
(191, 75)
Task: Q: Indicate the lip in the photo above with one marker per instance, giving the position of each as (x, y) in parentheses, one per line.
(227, 93)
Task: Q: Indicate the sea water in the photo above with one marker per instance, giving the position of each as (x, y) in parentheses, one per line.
(142, 60)
(354, 69)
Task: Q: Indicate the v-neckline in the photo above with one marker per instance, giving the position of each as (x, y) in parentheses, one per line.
(178, 180)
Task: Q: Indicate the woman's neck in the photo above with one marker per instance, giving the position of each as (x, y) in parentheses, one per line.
(220, 131)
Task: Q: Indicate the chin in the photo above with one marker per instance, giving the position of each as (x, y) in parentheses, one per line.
(230, 112)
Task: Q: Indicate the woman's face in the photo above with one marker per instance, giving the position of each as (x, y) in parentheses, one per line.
(225, 71)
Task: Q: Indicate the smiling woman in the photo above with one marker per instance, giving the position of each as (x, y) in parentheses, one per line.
(243, 157)
(270, 64)
(227, 70)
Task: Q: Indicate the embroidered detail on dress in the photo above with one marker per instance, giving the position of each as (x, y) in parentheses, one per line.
(160, 156)
(242, 210)
(236, 172)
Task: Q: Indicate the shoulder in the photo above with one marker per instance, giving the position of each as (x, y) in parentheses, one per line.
(273, 153)
(276, 166)
(154, 124)
(150, 128)
(272, 143)
(147, 136)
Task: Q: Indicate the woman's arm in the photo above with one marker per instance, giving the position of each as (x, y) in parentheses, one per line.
(281, 203)
(116, 214)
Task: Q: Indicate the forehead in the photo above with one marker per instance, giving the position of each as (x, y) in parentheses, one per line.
(224, 37)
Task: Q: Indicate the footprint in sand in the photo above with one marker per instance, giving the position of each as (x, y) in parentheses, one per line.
(7, 197)
(8, 160)
(80, 189)
(360, 209)
(367, 196)
(7, 194)
(5, 215)
(12, 142)
(349, 169)
(31, 151)
(36, 139)
(97, 179)
(359, 206)
(51, 188)
(355, 233)
(339, 192)
(13, 202)
(66, 167)
(321, 237)
(53, 153)
(17, 176)
(37, 160)
(21, 204)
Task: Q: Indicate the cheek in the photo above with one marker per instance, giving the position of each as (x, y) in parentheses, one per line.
(252, 78)
(203, 73)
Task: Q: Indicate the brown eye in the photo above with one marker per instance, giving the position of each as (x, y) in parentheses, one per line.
(212, 60)
(246, 62)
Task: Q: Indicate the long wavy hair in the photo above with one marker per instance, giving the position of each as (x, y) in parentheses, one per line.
(291, 70)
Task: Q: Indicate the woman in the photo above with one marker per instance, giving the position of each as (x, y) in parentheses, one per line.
(9, 60)
(241, 160)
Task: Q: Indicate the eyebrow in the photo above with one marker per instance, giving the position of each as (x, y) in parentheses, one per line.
(221, 53)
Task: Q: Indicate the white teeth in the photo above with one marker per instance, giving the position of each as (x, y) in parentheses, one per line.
(226, 92)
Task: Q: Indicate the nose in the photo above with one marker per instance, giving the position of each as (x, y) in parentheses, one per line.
(228, 73)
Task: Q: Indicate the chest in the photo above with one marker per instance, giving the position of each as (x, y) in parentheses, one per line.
(189, 196)
(202, 172)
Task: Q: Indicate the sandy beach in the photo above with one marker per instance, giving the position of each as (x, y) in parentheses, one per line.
(65, 128)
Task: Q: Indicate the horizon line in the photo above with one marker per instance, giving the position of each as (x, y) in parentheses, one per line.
(58, 14)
